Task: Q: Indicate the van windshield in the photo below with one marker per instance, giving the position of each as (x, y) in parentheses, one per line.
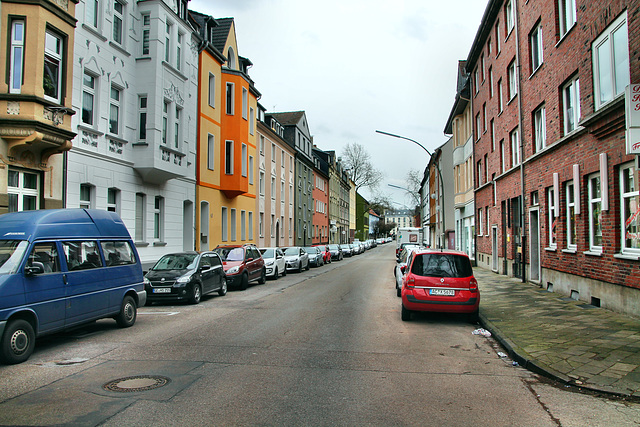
(11, 252)
(175, 262)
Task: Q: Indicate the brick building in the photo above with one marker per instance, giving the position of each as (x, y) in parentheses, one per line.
(556, 193)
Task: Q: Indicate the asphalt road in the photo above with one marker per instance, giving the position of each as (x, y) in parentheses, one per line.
(323, 347)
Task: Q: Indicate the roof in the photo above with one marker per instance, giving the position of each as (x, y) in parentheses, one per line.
(220, 33)
(484, 30)
(288, 118)
(462, 96)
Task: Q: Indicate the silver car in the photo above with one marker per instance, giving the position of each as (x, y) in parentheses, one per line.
(296, 258)
(315, 256)
(401, 262)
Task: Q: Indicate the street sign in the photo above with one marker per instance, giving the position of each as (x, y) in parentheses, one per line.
(632, 102)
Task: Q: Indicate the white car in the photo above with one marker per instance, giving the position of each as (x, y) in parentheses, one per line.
(274, 262)
(401, 261)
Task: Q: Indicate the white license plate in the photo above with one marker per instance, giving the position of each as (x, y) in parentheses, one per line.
(162, 291)
(442, 292)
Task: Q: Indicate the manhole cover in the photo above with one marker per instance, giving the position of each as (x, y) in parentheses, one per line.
(137, 383)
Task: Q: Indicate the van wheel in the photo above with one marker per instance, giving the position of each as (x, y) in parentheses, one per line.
(196, 294)
(405, 315)
(128, 312)
(18, 342)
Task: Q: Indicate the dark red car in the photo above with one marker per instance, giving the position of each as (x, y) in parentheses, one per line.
(439, 281)
(242, 264)
(326, 254)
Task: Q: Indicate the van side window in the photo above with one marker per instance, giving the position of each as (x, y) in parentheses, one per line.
(117, 253)
(81, 255)
(47, 254)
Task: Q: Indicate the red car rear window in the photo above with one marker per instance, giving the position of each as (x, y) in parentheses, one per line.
(441, 265)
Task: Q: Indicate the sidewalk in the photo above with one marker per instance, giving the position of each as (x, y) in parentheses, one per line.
(568, 340)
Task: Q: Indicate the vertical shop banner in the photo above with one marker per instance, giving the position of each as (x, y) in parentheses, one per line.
(632, 102)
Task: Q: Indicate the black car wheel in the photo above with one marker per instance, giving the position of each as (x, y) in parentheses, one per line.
(18, 341)
(244, 283)
(196, 294)
(405, 315)
(128, 312)
(263, 277)
(284, 272)
(308, 266)
(223, 289)
(275, 274)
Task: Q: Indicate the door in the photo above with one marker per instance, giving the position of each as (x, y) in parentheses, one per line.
(534, 250)
(207, 274)
(494, 248)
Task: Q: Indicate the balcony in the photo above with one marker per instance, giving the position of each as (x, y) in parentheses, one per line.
(157, 164)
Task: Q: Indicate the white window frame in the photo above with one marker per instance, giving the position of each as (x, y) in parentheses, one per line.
(158, 218)
(143, 101)
(145, 48)
(167, 42)
(571, 105)
(250, 225)
(537, 48)
(119, 23)
(230, 99)
(92, 14)
(629, 210)
(233, 225)
(17, 55)
(228, 157)
(115, 107)
(178, 127)
(243, 225)
(261, 224)
(480, 221)
(113, 200)
(89, 91)
(179, 50)
(245, 103)
(571, 224)
(252, 120)
(513, 80)
(515, 148)
(53, 63)
(509, 16)
(595, 210)
(611, 72)
(539, 129)
(141, 212)
(244, 159)
(261, 185)
(566, 15)
(250, 170)
(224, 226)
(212, 90)
(21, 190)
(552, 218)
(500, 98)
(211, 152)
(165, 120)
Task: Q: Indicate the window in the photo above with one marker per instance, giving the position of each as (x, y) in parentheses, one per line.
(595, 208)
(230, 105)
(567, 15)
(167, 43)
(497, 37)
(261, 183)
(273, 187)
(480, 222)
(17, 55)
(513, 80)
(178, 126)
(252, 120)
(262, 144)
(158, 218)
(113, 200)
(572, 231)
(245, 103)
(500, 102)
(165, 121)
(490, 82)
(117, 253)
(515, 148)
(142, 117)
(493, 136)
(86, 196)
(261, 224)
(92, 13)
(539, 129)
(52, 80)
(179, 51)
(244, 160)
(273, 224)
(233, 225)
(478, 127)
(479, 172)
(250, 170)
(509, 16)
(212, 90)
(629, 199)
(23, 191)
(250, 225)
(118, 19)
(81, 255)
(571, 105)
(211, 153)
(88, 98)
(146, 30)
(484, 117)
(140, 217)
(223, 224)
(503, 158)
(243, 225)
(535, 41)
(611, 61)
(273, 153)
(552, 218)
(114, 110)
(228, 158)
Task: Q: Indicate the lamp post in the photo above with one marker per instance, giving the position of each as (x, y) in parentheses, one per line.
(442, 214)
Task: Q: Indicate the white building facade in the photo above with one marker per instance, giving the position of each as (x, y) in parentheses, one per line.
(135, 97)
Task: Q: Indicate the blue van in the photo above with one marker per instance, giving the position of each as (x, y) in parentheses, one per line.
(60, 268)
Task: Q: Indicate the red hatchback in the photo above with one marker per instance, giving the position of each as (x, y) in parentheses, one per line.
(440, 281)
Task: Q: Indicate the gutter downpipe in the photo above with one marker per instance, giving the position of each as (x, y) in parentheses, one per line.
(520, 137)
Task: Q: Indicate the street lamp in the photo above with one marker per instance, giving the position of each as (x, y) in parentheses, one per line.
(442, 213)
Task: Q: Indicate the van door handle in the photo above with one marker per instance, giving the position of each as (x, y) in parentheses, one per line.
(64, 279)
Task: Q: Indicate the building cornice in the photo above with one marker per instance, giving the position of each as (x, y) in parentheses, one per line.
(52, 6)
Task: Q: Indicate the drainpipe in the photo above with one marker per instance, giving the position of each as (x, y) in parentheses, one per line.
(523, 241)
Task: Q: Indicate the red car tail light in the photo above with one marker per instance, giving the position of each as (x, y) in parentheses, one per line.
(473, 285)
(411, 281)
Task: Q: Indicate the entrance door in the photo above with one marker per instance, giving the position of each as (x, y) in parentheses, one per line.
(277, 235)
(534, 251)
(494, 248)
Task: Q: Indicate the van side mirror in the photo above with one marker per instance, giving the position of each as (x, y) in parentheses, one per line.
(36, 267)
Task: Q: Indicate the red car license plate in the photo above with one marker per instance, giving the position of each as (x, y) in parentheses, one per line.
(442, 292)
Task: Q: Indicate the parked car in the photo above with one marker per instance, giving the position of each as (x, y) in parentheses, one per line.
(296, 258)
(315, 256)
(274, 262)
(336, 252)
(346, 249)
(60, 268)
(242, 264)
(186, 276)
(326, 253)
(439, 281)
(401, 262)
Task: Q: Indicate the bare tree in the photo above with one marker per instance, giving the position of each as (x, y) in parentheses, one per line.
(358, 161)
(414, 179)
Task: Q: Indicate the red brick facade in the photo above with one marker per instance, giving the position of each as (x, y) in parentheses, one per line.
(598, 271)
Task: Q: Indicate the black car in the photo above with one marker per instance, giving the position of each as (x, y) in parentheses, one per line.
(336, 252)
(185, 276)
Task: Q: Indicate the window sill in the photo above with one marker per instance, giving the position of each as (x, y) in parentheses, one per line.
(141, 244)
(87, 128)
(536, 70)
(551, 249)
(175, 70)
(627, 257)
(569, 251)
(593, 253)
(564, 36)
(119, 48)
(94, 31)
(159, 243)
(117, 138)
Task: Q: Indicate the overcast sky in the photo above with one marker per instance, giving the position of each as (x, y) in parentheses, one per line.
(356, 66)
